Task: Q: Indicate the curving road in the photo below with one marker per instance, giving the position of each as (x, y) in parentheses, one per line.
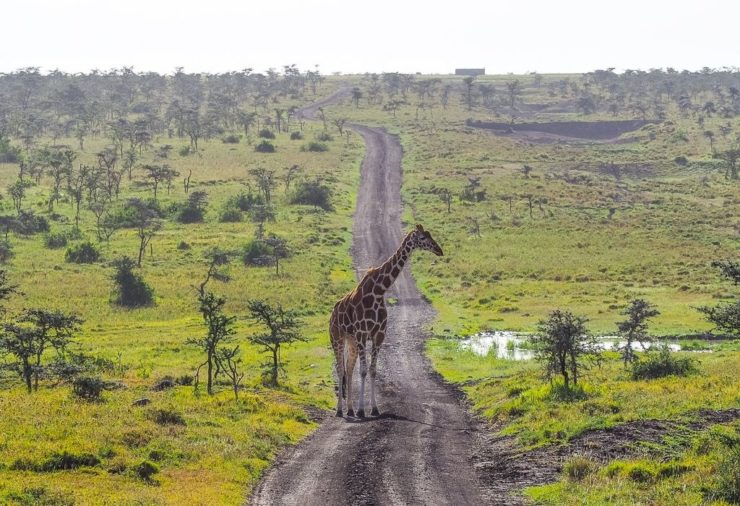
(420, 450)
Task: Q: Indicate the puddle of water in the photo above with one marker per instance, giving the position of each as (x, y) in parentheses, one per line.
(513, 346)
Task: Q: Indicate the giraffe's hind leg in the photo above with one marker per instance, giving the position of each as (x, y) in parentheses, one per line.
(363, 374)
(337, 343)
(349, 369)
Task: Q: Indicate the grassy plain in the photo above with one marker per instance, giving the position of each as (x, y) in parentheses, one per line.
(220, 451)
(599, 239)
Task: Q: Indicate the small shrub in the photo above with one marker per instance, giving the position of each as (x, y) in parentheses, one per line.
(639, 473)
(189, 214)
(296, 136)
(185, 380)
(165, 417)
(265, 147)
(28, 223)
(145, 470)
(257, 252)
(561, 393)
(672, 469)
(578, 468)
(55, 240)
(40, 496)
(316, 147)
(245, 201)
(662, 364)
(63, 461)
(312, 193)
(728, 477)
(130, 288)
(324, 137)
(261, 214)
(681, 160)
(231, 139)
(266, 133)
(88, 388)
(184, 151)
(230, 215)
(6, 251)
(82, 253)
(183, 246)
(164, 384)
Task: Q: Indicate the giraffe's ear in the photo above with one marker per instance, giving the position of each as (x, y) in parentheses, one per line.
(419, 228)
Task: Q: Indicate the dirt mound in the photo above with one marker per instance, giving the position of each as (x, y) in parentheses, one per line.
(592, 130)
(504, 469)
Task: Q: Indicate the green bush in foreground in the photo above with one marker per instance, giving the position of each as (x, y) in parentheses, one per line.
(83, 253)
(663, 364)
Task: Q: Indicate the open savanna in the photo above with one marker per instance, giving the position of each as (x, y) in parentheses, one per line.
(218, 453)
(594, 239)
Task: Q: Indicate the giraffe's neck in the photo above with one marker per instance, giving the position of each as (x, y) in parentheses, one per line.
(392, 267)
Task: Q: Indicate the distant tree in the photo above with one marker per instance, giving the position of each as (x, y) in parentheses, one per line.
(146, 221)
(514, 91)
(290, 174)
(130, 289)
(230, 364)
(356, 96)
(393, 105)
(35, 332)
(279, 249)
(726, 316)
(283, 328)
(17, 192)
(586, 104)
(730, 157)
(710, 137)
(562, 344)
(158, 174)
(634, 328)
(446, 196)
(468, 82)
(265, 179)
(339, 123)
(526, 170)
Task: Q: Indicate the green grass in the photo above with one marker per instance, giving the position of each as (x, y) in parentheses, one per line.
(221, 450)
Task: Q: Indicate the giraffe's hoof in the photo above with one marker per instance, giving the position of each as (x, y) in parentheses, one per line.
(339, 413)
(350, 412)
(360, 413)
(375, 412)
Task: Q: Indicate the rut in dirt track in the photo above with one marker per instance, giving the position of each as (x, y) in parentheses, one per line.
(420, 450)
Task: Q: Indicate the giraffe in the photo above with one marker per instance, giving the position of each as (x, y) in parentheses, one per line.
(359, 320)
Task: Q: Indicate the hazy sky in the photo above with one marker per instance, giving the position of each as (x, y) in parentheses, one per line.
(375, 35)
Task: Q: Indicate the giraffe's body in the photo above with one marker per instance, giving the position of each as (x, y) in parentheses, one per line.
(359, 321)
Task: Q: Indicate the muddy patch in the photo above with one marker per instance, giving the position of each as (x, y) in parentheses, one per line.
(584, 130)
(505, 469)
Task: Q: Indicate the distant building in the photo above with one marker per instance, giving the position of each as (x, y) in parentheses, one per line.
(470, 72)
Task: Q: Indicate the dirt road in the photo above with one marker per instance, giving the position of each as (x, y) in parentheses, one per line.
(420, 450)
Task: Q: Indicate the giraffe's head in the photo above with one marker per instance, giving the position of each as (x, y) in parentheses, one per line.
(421, 239)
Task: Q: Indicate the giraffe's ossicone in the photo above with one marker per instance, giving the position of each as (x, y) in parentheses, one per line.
(359, 321)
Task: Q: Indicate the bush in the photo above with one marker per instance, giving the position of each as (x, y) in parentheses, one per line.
(662, 364)
(27, 223)
(63, 461)
(324, 137)
(578, 468)
(231, 139)
(184, 151)
(261, 214)
(728, 477)
(82, 253)
(55, 240)
(130, 288)
(681, 160)
(265, 147)
(8, 153)
(145, 470)
(165, 417)
(296, 136)
(245, 201)
(39, 496)
(257, 252)
(230, 215)
(316, 147)
(185, 380)
(189, 214)
(6, 251)
(183, 246)
(266, 133)
(88, 388)
(312, 193)
(639, 473)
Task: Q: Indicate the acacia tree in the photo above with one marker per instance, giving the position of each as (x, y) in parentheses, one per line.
(561, 344)
(35, 332)
(468, 82)
(726, 316)
(730, 157)
(634, 328)
(219, 329)
(146, 221)
(282, 329)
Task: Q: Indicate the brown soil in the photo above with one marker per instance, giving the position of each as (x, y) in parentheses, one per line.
(505, 469)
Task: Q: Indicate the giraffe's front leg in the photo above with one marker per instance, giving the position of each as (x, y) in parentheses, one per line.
(373, 370)
(363, 374)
